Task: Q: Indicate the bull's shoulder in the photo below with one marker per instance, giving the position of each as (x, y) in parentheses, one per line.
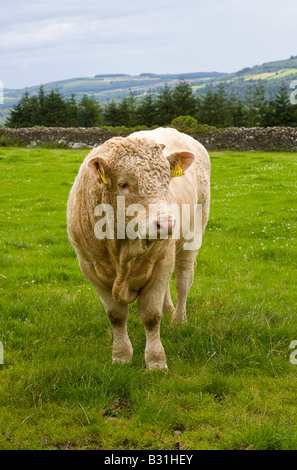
(176, 141)
(83, 199)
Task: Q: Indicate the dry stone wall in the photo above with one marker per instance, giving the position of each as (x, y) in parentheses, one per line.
(266, 139)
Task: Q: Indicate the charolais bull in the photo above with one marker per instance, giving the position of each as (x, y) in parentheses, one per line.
(138, 210)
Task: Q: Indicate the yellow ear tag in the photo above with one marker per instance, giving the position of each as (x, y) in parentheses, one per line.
(177, 171)
(102, 177)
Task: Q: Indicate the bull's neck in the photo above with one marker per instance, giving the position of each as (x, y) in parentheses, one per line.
(123, 249)
(125, 252)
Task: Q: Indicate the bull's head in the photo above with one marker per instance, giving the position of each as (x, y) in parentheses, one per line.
(138, 170)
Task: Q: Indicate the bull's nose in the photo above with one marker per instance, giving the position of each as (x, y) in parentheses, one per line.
(165, 224)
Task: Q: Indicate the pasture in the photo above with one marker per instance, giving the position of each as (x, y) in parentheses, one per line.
(230, 385)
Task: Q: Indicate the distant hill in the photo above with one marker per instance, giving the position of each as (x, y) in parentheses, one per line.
(115, 86)
(272, 74)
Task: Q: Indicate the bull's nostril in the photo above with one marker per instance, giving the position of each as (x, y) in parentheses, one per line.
(158, 224)
(164, 225)
(170, 228)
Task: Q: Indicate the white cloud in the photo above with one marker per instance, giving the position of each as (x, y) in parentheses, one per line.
(72, 32)
(42, 40)
(86, 24)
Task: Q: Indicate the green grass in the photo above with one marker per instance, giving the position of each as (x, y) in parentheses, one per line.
(230, 384)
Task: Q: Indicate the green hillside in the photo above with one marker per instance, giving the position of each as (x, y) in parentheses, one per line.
(272, 74)
(106, 87)
(115, 86)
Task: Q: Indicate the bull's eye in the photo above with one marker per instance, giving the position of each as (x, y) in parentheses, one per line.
(124, 186)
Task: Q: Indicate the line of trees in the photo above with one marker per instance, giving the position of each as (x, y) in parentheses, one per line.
(52, 110)
(215, 108)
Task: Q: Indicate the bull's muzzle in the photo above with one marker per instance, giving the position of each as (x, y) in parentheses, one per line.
(165, 224)
(161, 226)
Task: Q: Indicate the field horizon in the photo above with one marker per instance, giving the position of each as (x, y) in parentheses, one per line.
(107, 87)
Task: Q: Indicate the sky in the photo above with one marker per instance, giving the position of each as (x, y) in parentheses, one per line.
(44, 41)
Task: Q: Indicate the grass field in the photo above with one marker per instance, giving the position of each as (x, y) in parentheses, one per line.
(230, 385)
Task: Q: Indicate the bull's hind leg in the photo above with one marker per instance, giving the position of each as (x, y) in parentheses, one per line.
(184, 271)
(184, 274)
(168, 306)
(122, 350)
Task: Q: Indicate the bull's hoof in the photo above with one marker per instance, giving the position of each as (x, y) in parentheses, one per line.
(155, 358)
(117, 360)
(178, 318)
(122, 355)
(157, 366)
(168, 309)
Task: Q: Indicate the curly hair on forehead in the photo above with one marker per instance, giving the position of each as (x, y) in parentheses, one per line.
(134, 148)
(140, 157)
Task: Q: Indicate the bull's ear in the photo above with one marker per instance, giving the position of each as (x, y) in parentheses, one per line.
(100, 169)
(180, 162)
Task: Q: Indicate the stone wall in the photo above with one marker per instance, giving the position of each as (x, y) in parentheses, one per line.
(256, 138)
(269, 139)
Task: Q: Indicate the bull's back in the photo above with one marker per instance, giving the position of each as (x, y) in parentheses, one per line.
(194, 187)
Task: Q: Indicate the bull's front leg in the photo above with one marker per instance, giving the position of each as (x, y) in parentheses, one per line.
(150, 314)
(150, 305)
(117, 313)
(122, 350)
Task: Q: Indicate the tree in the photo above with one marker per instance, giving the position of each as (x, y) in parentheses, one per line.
(182, 123)
(41, 110)
(184, 103)
(294, 115)
(164, 106)
(20, 115)
(128, 111)
(222, 108)
(41, 106)
(260, 105)
(55, 110)
(217, 107)
(89, 112)
(256, 106)
(283, 110)
(269, 119)
(124, 112)
(72, 110)
(207, 112)
(249, 108)
(236, 110)
(111, 114)
(35, 112)
(146, 111)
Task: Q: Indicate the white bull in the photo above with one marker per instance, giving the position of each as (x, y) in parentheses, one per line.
(157, 169)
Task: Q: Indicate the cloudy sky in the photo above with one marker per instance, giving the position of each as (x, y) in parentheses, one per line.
(43, 41)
